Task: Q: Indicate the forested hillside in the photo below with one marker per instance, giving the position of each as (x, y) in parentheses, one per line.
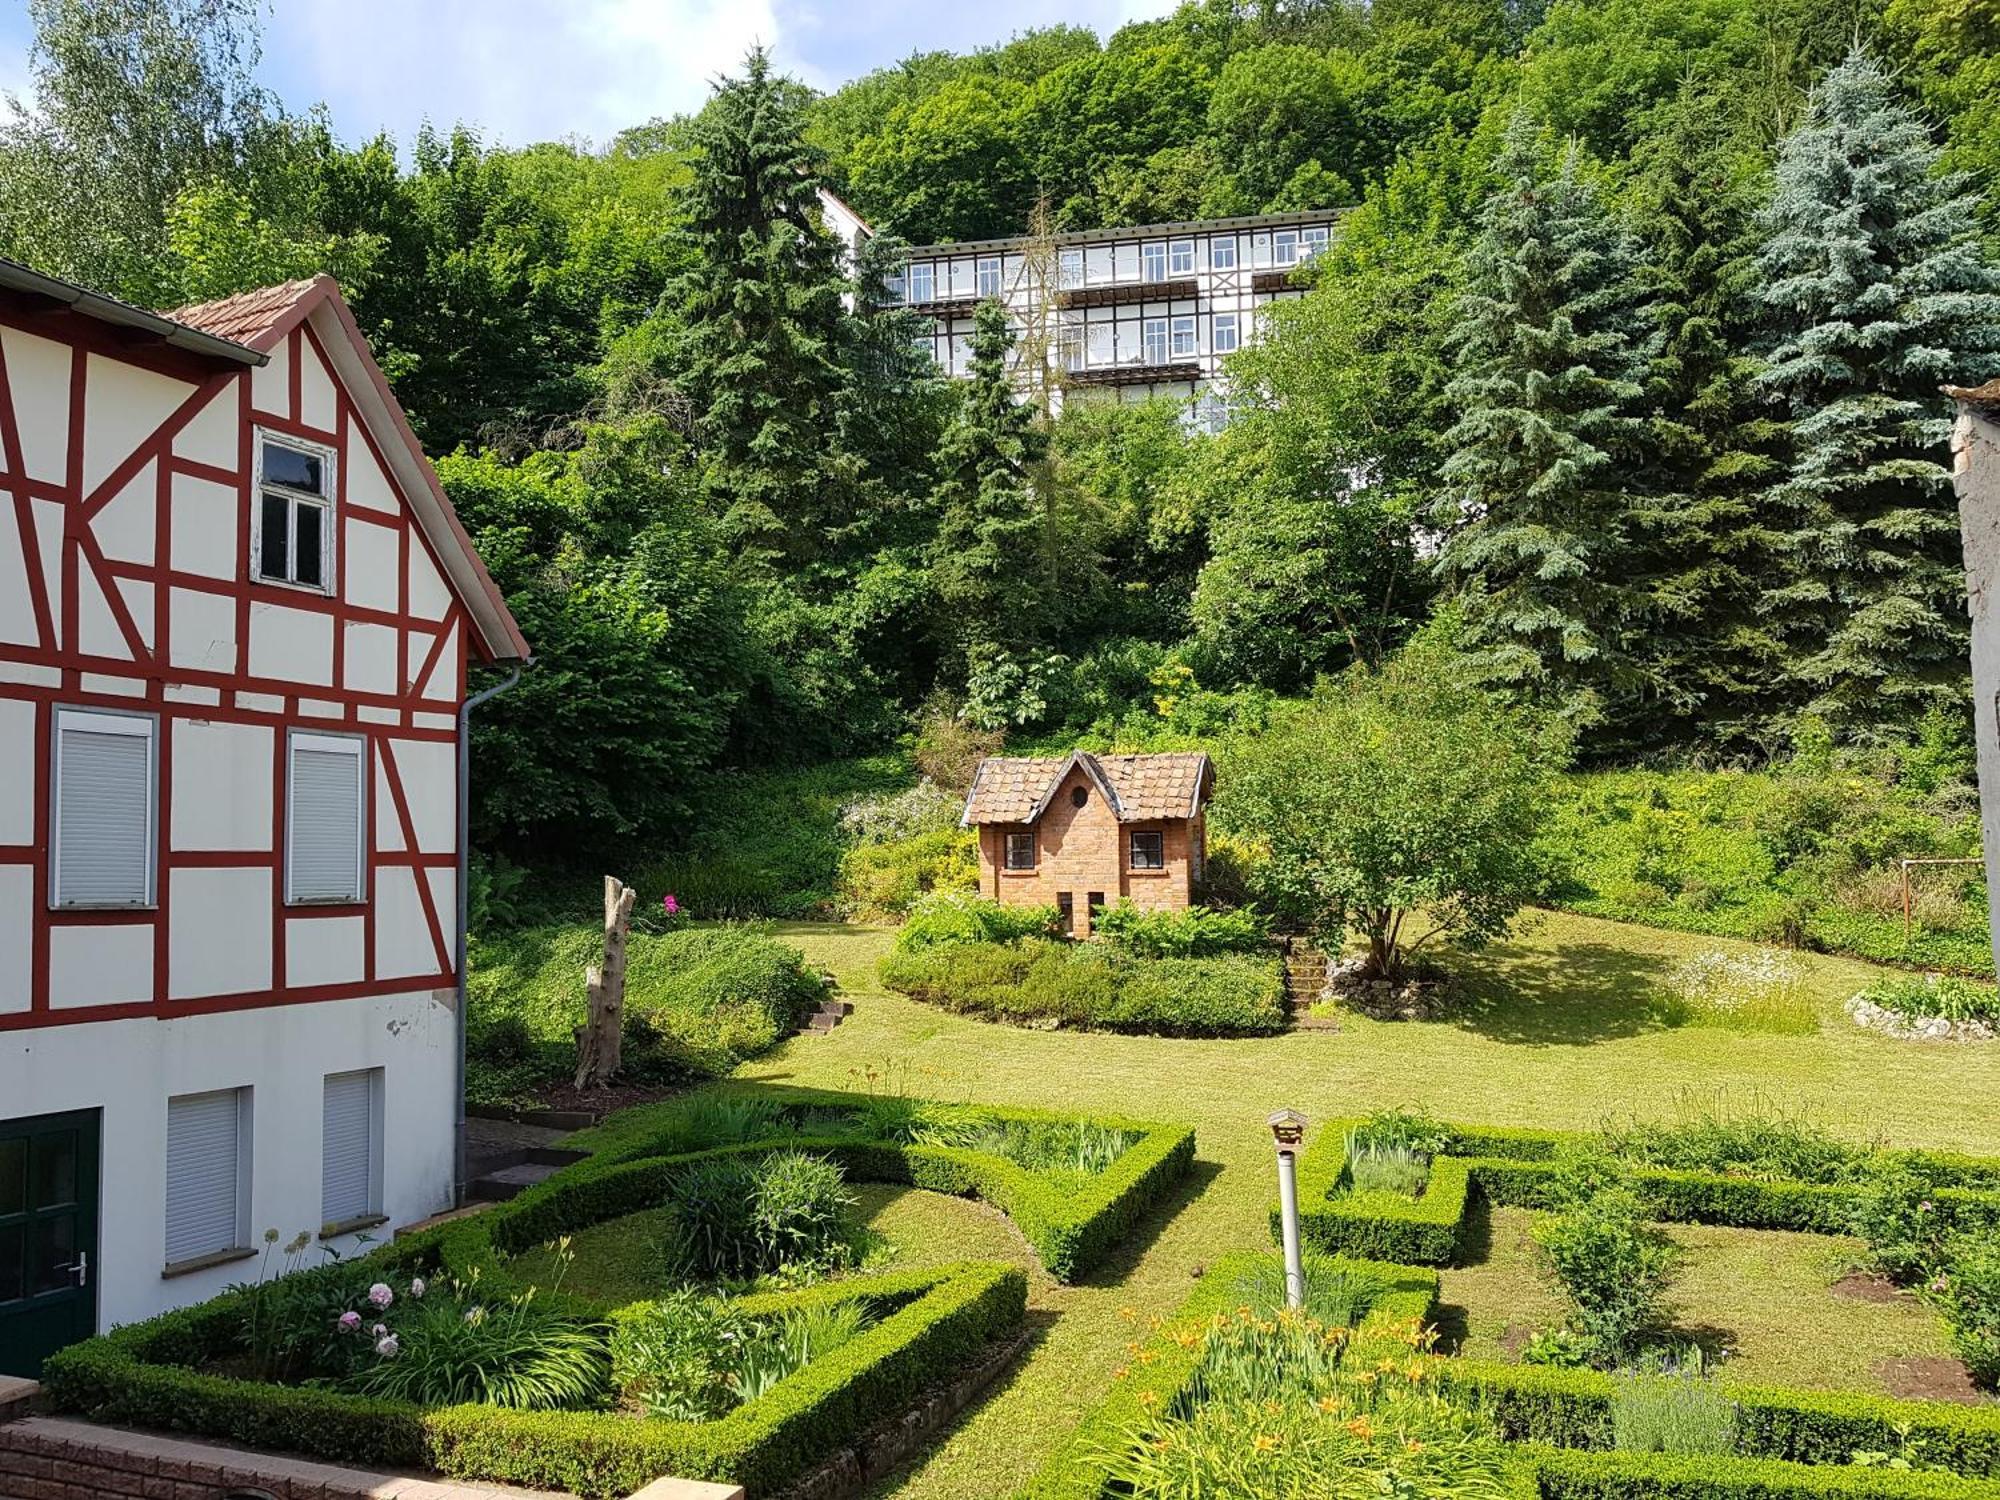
(1626, 359)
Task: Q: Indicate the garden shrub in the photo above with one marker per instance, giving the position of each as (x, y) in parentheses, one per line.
(736, 1216)
(1612, 1266)
(1893, 1209)
(698, 1002)
(1195, 932)
(508, 1353)
(1966, 1290)
(689, 1357)
(1920, 998)
(884, 879)
(1093, 986)
(943, 917)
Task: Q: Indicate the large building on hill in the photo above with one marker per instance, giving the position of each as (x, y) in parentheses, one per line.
(236, 611)
(1137, 313)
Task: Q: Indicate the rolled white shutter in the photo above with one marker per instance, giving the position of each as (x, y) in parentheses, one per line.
(104, 810)
(326, 820)
(204, 1170)
(347, 1148)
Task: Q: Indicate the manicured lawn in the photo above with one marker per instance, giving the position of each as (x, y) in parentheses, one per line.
(1765, 1294)
(1560, 1034)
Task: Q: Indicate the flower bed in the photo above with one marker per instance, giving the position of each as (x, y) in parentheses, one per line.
(1555, 1423)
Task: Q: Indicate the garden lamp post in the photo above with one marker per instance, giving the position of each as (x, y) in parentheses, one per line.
(1288, 1130)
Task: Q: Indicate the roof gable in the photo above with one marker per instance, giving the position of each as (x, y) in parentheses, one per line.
(1137, 788)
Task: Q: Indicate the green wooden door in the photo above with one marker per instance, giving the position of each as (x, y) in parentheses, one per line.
(48, 1237)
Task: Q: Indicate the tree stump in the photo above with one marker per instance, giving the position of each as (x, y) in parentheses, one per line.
(599, 1040)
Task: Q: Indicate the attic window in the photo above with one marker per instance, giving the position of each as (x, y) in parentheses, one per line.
(1020, 851)
(1078, 796)
(294, 541)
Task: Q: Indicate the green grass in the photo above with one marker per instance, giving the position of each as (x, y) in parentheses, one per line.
(1764, 1294)
(1561, 1031)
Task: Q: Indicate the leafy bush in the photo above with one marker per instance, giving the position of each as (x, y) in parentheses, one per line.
(1759, 1141)
(1919, 998)
(1094, 987)
(690, 1357)
(1612, 1266)
(779, 1350)
(884, 879)
(451, 1349)
(952, 917)
(1967, 1292)
(1196, 932)
(1895, 1211)
(890, 817)
(1672, 1413)
(737, 1217)
(1764, 991)
(698, 1001)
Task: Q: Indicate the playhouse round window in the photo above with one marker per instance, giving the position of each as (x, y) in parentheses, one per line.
(1078, 796)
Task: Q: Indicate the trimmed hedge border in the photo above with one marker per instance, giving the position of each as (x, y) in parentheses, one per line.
(1516, 1167)
(1076, 1470)
(1070, 1228)
(1553, 1417)
(142, 1376)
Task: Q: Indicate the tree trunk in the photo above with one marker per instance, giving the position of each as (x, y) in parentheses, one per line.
(599, 1039)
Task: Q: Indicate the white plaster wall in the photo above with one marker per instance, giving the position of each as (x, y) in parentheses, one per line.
(366, 484)
(222, 785)
(371, 658)
(129, 1069)
(38, 375)
(204, 539)
(270, 384)
(219, 935)
(293, 645)
(124, 405)
(124, 528)
(17, 613)
(316, 401)
(110, 965)
(429, 598)
(17, 895)
(17, 771)
(325, 950)
(430, 782)
(368, 571)
(201, 631)
(97, 632)
(210, 436)
(402, 936)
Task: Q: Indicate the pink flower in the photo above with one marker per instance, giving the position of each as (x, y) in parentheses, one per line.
(417, 1287)
(349, 1321)
(380, 1295)
(378, 1330)
(387, 1347)
(669, 905)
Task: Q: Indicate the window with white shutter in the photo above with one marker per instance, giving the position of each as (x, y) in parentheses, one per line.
(350, 1148)
(326, 833)
(208, 1156)
(106, 809)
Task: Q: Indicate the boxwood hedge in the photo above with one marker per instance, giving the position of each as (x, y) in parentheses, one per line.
(148, 1375)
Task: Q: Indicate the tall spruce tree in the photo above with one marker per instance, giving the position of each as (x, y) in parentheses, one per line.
(1708, 660)
(763, 300)
(1878, 292)
(1548, 359)
(988, 556)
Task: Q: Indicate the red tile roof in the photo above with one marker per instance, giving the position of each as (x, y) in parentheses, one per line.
(247, 316)
(1013, 789)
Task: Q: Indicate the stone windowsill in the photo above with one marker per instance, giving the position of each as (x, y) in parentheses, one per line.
(352, 1226)
(204, 1262)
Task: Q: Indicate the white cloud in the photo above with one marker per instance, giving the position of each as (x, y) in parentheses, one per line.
(525, 70)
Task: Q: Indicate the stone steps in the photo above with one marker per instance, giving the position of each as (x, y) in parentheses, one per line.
(829, 1015)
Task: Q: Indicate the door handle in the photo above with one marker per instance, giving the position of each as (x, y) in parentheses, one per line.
(79, 1268)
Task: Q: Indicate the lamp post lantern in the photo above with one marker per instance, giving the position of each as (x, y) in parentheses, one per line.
(1288, 1131)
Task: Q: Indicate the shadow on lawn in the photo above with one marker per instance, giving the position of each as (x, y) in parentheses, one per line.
(1124, 1259)
(1571, 994)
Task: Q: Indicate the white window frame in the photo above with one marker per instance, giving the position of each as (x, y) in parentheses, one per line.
(1069, 268)
(986, 276)
(1285, 247)
(1226, 336)
(1181, 340)
(372, 1210)
(1180, 257)
(1222, 253)
(106, 721)
(329, 538)
(1153, 261)
(339, 744)
(245, 1145)
(922, 274)
(1069, 345)
(1312, 240)
(1153, 341)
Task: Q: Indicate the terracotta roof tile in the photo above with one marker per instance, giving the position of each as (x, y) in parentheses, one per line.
(245, 316)
(1008, 789)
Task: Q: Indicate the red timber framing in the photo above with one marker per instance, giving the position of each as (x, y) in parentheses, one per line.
(52, 671)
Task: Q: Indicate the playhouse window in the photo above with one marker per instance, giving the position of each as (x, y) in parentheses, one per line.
(1148, 850)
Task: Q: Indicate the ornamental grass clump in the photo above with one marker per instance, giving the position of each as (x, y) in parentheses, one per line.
(733, 1219)
(693, 1357)
(1763, 991)
(449, 1349)
(1759, 1140)
(1680, 1412)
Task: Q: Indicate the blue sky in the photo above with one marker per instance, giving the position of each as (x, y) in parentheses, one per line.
(532, 70)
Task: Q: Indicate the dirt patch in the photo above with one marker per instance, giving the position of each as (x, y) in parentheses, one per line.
(1929, 1377)
(1514, 1338)
(604, 1101)
(1866, 1286)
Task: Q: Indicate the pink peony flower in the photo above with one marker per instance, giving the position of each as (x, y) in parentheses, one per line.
(669, 905)
(387, 1346)
(378, 1330)
(380, 1295)
(349, 1321)
(417, 1287)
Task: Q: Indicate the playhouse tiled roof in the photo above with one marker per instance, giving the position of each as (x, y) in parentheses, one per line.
(1140, 788)
(246, 316)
